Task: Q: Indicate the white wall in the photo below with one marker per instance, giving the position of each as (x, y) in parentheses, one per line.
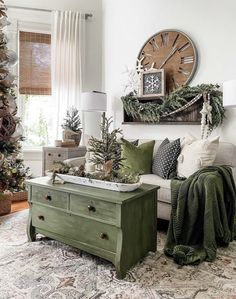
(34, 20)
(129, 23)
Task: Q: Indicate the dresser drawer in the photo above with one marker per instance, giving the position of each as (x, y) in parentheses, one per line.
(50, 197)
(55, 156)
(74, 227)
(94, 208)
(51, 157)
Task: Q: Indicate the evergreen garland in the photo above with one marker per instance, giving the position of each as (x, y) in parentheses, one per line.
(153, 111)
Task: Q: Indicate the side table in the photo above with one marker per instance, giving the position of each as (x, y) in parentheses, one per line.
(52, 153)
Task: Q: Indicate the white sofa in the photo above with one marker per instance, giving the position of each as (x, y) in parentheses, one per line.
(226, 155)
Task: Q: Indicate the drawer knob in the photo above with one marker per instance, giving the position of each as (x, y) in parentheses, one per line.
(48, 197)
(91, 209)
(59, 155)
(49, 154)
(41, 217)
(104, 236)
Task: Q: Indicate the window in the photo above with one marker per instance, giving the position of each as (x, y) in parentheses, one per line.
(35, 87)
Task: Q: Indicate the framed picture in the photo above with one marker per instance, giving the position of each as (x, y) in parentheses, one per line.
(153, 84)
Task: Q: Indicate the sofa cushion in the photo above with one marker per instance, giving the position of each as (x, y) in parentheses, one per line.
(165, 160)
(226, 154)
(164, 193)
(196, 154)
(137, 158)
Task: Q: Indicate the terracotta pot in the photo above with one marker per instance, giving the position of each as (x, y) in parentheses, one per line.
(5, 205)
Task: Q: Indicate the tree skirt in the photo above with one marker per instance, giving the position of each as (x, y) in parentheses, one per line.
(49, 269)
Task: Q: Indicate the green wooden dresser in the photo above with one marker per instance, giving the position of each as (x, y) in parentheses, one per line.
(119, 227)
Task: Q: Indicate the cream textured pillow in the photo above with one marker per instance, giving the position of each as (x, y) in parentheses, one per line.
(195, 154)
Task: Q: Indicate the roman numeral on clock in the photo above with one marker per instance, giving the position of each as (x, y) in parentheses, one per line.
(146, 54)
(184, 47)
(164, 39)
(175, 84)
(177, 36)
(154, 44)
(183, 71)
(187, 59)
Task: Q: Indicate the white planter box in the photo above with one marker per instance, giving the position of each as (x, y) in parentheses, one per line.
(99, 183)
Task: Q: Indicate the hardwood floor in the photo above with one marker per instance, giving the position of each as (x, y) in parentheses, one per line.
(19, 206)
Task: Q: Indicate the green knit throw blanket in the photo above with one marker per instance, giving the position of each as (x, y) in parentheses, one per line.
(202, 216)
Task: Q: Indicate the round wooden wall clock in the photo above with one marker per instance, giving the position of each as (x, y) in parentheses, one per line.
(173, 51)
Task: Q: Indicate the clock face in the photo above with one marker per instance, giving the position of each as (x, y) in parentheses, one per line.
(172, 51)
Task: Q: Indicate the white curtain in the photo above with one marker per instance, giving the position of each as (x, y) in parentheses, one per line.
(67, 56)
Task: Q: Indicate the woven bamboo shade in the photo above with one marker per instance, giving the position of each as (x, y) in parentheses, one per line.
(35, 63)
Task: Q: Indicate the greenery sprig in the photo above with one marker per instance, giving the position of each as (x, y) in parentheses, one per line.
(155, 110)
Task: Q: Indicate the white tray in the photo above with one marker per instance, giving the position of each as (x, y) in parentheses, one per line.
(99, 183)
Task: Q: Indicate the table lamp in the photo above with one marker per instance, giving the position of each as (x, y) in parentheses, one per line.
(229, 94)
(93, 101)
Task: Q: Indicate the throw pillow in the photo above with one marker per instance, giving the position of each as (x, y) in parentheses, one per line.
(196, 154)
(165, 160)
(134, 142)
(137, 158)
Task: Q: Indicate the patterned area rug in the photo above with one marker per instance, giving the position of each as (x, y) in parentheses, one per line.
(49, 269)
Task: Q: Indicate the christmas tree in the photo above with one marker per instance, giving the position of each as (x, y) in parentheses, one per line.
(12, 170)
(107, 150)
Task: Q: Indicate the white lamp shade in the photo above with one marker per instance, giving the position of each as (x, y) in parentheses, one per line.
(229, 93)
(94, 101)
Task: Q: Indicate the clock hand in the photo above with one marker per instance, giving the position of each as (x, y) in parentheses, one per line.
(172, 52)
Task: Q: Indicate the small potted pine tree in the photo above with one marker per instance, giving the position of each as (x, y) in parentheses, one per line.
(72, 126)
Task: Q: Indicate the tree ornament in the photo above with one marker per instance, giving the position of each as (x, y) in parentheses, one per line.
(8, 58)
(7, 126)
(4, 22)
(8, 80)
(10, 103)
(18, 131)
(3, 73)
(2, 157)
